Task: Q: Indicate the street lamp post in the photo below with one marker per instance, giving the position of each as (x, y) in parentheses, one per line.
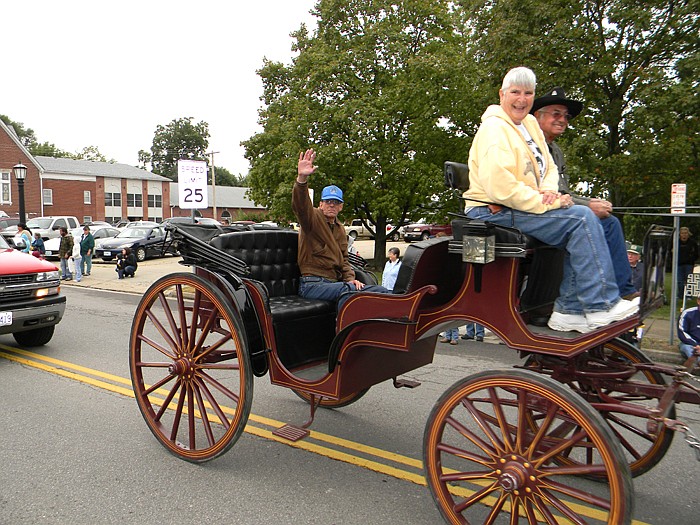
(20, 171)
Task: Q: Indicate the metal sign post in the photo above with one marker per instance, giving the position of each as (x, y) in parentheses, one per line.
(677, 209)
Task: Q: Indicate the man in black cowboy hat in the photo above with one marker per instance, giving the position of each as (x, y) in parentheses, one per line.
(553, 112)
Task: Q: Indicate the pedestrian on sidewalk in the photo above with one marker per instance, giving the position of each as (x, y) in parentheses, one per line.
(126, 264)
(65, 251)
(74, 262)
(450, 336)
(87, 245)
(474, 331)
(689, 331)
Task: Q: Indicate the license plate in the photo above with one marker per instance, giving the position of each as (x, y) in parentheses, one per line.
(48, 252)
(107, 254)
(5, 318)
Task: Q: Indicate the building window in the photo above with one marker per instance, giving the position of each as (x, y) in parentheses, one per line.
(155, 201)
(87, 219)
(47, 196)
(113, 199)
(5, 194)
(87, 197)
(134, 200)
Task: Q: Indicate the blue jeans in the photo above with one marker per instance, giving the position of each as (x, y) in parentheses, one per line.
(474, 329)
(128, 271)
(452, 334)
(687, 350)
(313, 287)
(65, 272)
(588, 283)
(615, 237)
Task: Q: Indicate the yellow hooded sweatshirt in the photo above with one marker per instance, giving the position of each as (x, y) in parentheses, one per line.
(503, 170)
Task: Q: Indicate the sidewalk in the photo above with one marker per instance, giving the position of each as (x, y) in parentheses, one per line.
(103, 277)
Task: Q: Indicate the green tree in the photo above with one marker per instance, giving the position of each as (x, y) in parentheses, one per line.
(47, 149)
(26, 135)
(180, 139)
(90, 153)
(367, 92)
(225, 178)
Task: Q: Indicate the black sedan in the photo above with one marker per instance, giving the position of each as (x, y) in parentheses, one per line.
(142, 240)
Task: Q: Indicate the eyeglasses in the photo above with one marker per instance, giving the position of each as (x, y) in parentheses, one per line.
(558, 114)
(333, 202)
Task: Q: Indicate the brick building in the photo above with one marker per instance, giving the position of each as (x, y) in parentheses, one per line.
(99, 191)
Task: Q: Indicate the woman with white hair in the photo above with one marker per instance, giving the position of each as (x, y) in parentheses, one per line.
(511, 169)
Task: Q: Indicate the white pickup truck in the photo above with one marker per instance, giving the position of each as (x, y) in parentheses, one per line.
(47, 227)
(356, 229)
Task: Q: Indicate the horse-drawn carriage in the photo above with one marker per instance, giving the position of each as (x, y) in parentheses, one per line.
(568, 428)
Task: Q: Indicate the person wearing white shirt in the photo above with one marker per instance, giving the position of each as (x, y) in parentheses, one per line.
(391, 269)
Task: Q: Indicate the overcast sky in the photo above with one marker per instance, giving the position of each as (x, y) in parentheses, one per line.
(89, 72)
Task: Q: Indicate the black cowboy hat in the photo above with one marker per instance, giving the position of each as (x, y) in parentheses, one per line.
(557, 95)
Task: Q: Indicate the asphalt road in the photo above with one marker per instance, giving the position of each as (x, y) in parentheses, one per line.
(76, 450)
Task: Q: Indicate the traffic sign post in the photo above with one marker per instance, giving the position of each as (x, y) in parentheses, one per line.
(192, 184)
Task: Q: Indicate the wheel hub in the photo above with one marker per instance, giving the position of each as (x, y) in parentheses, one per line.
(182, 367)
(515, 475)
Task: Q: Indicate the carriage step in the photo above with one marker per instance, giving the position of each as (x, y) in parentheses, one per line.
(291, 433)
(406, 383)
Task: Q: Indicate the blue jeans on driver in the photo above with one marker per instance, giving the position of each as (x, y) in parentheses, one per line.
(588, 284)
(312, 287)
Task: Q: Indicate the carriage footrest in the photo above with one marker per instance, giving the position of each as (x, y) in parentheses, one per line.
(291, 433)
(402, 382)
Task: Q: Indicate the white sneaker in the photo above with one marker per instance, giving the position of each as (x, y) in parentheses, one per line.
(568, 323)
(622, 310)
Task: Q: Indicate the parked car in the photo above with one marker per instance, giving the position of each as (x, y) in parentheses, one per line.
(420, 231)
(52, 246)
(48, 227)
(6, 222)
(31, 304)
(142, 240)
(357, 229)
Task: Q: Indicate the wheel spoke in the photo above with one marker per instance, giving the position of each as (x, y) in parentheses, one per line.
(471, 436)
(180, 299)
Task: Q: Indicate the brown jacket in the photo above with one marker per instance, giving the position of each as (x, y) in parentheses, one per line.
(323, 247)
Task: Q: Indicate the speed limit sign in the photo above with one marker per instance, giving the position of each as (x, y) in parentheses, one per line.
(192, 184)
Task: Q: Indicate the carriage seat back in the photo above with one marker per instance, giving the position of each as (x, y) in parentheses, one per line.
(271, 256)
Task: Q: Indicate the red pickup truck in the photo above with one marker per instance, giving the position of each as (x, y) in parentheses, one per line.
(31, 303)
(420, 231)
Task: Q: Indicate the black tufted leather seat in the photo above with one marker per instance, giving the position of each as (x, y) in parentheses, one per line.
(272, 258)
(304, 328)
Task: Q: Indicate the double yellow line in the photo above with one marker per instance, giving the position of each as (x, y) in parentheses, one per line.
(395, 465)
(322, 443)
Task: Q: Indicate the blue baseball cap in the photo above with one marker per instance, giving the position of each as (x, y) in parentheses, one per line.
(332, 192)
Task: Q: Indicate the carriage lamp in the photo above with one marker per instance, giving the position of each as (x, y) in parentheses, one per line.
(479, 243)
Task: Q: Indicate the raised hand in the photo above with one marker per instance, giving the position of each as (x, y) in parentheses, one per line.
(306, 167)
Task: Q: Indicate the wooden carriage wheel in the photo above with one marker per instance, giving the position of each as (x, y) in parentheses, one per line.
(492, 446)
(643, 449)
(332, 403)
(190, 367)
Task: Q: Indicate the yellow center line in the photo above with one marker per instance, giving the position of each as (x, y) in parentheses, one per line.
(63, 369)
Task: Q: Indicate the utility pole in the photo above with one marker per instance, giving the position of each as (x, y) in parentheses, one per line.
(213, 182)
